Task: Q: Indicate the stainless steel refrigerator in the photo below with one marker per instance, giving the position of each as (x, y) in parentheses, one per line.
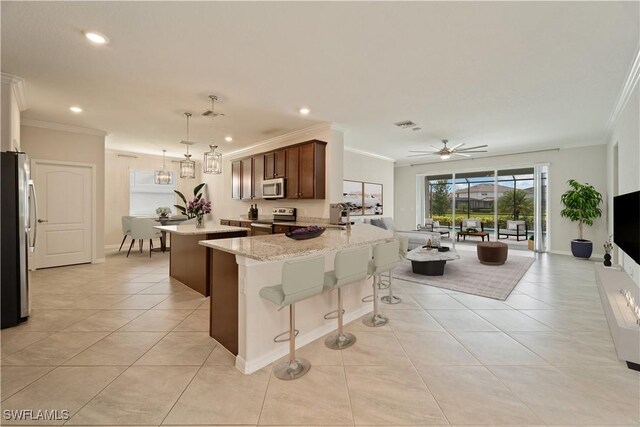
(18, 236)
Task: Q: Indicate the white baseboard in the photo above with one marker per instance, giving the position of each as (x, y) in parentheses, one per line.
(249, 367)
(568, 253)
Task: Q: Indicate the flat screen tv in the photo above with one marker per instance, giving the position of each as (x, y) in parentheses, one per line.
(626, 228)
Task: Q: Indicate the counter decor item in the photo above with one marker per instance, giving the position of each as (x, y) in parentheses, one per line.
(581, 204)
(608, 247)
(196, 193)
(305, 233)
(163, 212)
(198, 208)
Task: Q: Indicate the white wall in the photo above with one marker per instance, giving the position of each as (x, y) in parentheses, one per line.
(219, 186)
(10, 112)
(584, 164)
(362, 167)
(51, 144)
(117, 187)
(626, 135)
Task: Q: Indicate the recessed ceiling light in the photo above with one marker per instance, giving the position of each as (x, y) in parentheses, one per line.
(305, 111)
(96, 38)
(75, 109)
(228, 138)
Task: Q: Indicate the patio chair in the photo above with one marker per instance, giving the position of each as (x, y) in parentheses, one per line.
(432, 225)
(514, 228)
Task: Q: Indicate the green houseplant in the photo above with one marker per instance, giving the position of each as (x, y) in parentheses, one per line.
(581, 204)
(197, 194)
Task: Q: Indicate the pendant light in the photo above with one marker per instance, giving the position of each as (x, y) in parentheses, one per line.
(163, 177)
(212, 159)
(187, 166)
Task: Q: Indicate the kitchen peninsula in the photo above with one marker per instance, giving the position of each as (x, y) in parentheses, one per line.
(189, 261)
(246, 324)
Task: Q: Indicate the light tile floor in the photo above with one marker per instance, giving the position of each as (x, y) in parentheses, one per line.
(119, 343)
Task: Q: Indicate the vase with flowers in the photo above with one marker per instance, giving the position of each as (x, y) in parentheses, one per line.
(608, 247)
(198, 208)
(163, 212)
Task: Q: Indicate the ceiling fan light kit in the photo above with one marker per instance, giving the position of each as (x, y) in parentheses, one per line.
(445, 152)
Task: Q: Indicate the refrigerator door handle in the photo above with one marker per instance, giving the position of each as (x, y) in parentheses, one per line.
(32, 190)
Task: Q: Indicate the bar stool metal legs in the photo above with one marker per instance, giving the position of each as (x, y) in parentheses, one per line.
(293, 367)
(390, 298)
(376, 319)
(340, 340)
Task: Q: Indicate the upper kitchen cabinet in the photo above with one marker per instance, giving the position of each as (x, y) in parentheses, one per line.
(275, 164)
(246, 186)
(306, 170)
(236, 180)
(258, 175)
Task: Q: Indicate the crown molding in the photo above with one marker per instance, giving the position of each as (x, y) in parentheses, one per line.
(61, 127)
(366, 153)
(276, 139)
(623, 98)
(18, 87)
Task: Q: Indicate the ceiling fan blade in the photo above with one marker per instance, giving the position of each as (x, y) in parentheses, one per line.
(459, 145)
(435, 148)
(460, 154)
(421, 155)
(473, 148)
(474, 151)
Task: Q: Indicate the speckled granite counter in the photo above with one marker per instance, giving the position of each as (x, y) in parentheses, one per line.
(192, 230)
(277, 247)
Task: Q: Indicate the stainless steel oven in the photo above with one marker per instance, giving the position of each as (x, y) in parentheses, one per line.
(273, 188)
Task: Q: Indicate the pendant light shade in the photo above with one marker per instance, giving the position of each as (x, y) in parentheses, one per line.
(163, 177)
(187, 166)
(213, 161)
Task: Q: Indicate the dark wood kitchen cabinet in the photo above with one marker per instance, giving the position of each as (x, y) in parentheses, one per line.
(246, 182)
(257, 176)
(306, 171)
(275, 164)
(236, 180)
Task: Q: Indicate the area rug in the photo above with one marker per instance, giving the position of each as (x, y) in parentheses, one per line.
(469, 276)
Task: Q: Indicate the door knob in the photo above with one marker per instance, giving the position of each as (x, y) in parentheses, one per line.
(43, 220)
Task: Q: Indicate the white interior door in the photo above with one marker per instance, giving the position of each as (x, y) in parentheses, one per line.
(65, 228)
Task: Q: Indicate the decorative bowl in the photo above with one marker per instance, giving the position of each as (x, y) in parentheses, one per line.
(305, 233)
(443, 249)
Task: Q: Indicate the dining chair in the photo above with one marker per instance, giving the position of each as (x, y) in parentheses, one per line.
(142, 229)
(126, 229)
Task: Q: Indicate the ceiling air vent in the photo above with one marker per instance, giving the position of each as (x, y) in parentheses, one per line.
(405, 124)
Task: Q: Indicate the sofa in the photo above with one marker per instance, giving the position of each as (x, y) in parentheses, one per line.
(416, 238)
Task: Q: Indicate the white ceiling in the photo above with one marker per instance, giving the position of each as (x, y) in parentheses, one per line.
(514, 75)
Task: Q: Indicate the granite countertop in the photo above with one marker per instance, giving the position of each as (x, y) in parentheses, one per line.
(277, 247)
(303, 222)
(191, 230)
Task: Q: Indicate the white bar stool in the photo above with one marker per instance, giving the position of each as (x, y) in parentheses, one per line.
(404, 249)
(350, 265)
(300, 280)
(385, 257)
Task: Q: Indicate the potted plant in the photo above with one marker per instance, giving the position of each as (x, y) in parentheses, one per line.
(196, 193)
(163, 212)
(581, 204)
(530, 243)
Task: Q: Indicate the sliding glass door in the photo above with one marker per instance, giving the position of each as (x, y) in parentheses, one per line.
(510, 203)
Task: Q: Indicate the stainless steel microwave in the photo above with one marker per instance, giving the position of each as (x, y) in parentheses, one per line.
(273, 188)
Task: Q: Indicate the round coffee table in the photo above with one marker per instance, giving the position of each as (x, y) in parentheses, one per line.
(430, 262)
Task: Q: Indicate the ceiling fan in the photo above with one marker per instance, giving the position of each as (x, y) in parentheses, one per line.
(446, 152)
